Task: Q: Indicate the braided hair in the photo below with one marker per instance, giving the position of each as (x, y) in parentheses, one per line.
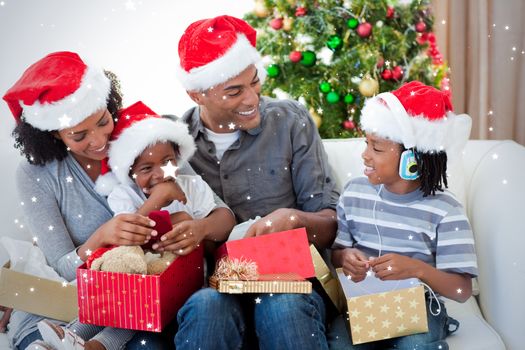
(432, 168)
(40, 147)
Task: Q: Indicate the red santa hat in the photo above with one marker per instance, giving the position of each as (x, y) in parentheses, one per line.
(214, 50)
(417, 116)
(58, 92)
(137, 128)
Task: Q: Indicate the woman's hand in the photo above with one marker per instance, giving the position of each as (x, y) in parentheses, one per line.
(122, 229)
(126, 229)
(183, 238)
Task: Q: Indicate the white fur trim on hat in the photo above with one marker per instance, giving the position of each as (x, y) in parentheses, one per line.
(241, 55)
(90, 97)
(106, 183)
(393, 122)
(144, 133)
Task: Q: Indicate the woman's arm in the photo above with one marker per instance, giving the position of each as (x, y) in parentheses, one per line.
(44, 220)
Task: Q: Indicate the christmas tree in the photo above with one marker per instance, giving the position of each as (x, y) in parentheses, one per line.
(332, 54)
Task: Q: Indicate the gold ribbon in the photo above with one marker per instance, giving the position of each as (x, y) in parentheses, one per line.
(236, 270)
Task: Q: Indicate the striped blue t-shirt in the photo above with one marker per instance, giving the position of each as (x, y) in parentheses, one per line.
(433, 229)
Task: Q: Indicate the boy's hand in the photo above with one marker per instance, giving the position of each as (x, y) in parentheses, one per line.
(355, 264)
(166, 192)
(395, 267)
(183, 238)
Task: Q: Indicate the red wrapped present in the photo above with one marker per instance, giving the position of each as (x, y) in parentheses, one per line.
(279, 252)
(140, 302)
(162, 225)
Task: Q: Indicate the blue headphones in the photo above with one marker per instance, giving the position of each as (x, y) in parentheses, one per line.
(408, 165)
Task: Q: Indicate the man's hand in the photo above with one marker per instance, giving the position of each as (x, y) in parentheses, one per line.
(355, 264)
(395, 267)
(280, 220)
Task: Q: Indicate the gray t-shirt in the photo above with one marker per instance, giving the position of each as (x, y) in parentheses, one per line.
(279, 164)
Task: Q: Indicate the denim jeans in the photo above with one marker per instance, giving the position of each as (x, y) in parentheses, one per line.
(141, 341)
(211, 320)
(28, 339)
(439, 327)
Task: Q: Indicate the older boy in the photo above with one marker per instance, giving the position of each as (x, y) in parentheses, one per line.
(399, 221)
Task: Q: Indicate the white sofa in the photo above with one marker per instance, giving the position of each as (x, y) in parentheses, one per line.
(489, 183)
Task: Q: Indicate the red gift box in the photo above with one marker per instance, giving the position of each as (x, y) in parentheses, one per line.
(141, 302)
(279, 252)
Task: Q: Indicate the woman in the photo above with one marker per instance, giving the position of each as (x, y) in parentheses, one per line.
(65, 113)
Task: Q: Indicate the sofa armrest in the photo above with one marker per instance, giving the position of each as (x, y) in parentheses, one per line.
(495, 196)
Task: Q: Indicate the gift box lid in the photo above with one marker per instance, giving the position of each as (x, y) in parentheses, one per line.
(327, 280)
(279, 252)
(27, 293)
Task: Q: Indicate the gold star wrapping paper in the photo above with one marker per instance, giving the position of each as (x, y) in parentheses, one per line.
(380, 310)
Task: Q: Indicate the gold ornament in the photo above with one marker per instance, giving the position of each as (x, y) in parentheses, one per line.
(292, 2)
(368, 86)
(316, 117)
(287, 24)
(260, 9)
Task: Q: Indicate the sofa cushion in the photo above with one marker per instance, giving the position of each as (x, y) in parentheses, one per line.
(474, 332)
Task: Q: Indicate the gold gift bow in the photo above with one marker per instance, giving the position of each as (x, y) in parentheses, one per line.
(236, 270)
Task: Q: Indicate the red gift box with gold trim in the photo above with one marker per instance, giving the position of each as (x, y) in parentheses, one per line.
(279, 252)
(140, 302)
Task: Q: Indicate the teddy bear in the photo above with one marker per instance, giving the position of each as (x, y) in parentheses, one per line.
(131, 259)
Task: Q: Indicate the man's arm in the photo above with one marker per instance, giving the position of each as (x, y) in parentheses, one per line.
(320, 226)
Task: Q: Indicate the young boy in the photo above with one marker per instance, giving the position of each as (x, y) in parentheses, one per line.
(399, 221)
(143, 155)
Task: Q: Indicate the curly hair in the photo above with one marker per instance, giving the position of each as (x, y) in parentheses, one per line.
(432, 168)
(40, 147)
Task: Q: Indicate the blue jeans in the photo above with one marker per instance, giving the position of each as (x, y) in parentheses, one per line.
(211, 320)
(31, 337)
(149, 339)
(439, 327)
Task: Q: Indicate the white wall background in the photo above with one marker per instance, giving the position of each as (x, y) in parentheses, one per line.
(135, 39)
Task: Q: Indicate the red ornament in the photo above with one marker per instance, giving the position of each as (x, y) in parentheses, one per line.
(349, 125)
(364, 30)
(422, 38)
(397, 73)
(386, 74)
(295, 56)
(390, 12)
(276, 23)
(300, 11)
(421, 27)
(380, 62)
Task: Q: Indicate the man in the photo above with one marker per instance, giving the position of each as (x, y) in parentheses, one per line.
(265, 158)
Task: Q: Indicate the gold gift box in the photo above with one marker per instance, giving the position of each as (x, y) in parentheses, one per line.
(394, 312)
(330, 284)
(269, 283)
